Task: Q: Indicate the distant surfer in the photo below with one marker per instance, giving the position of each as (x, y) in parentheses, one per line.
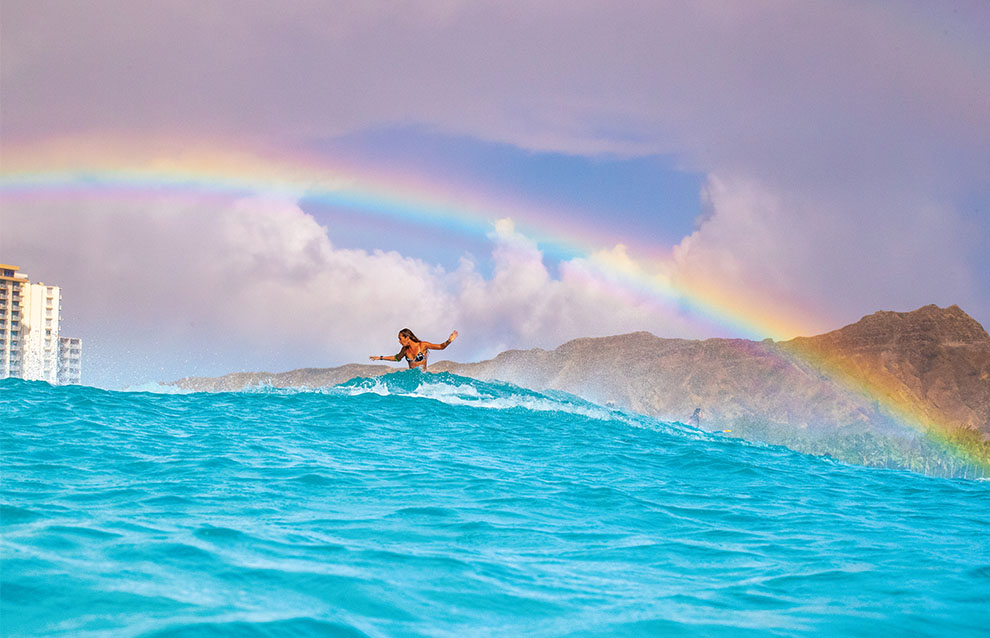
(414, 350)
(695, 419)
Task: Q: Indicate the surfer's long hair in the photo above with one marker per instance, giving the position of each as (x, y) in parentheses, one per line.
(406, 332)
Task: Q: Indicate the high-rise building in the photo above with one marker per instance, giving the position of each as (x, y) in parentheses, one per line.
(40, 332)
(12, 287)
(30, 324)
(69, 361)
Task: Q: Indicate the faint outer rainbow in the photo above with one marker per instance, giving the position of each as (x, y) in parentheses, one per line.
(74, 170)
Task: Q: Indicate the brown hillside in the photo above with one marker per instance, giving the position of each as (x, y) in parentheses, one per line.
(937, 360)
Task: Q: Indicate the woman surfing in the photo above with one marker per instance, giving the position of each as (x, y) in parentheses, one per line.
(414, 350)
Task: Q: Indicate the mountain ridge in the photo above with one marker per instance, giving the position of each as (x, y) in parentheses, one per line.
(800, 392)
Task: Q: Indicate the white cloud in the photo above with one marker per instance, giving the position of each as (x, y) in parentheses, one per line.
(174, 288)
(827, 260)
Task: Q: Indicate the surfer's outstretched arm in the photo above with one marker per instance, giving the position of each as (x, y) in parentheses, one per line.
(392, 357)
(441, 346)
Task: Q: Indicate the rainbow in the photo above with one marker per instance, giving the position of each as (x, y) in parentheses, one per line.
(73, 170)
(891, 397)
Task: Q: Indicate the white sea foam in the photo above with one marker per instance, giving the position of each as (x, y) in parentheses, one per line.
(154, 387)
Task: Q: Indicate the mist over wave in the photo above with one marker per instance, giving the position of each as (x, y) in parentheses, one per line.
(435, 505)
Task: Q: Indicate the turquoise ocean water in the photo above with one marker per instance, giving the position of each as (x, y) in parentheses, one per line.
(434, 505)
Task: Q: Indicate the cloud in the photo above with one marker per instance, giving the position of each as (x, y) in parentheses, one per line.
(178, 287)
(724, 82)
(213, 287)
(822, 260)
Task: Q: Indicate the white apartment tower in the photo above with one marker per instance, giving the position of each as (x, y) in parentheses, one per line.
(69, 361)
(30, 343)
(12, 291)
(40, 332)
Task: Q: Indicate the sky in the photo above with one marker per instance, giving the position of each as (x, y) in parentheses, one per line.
(226, 186)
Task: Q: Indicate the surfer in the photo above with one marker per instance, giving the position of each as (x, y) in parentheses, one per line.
(414, 350)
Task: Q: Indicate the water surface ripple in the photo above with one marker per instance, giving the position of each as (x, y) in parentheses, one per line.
(434, 505)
